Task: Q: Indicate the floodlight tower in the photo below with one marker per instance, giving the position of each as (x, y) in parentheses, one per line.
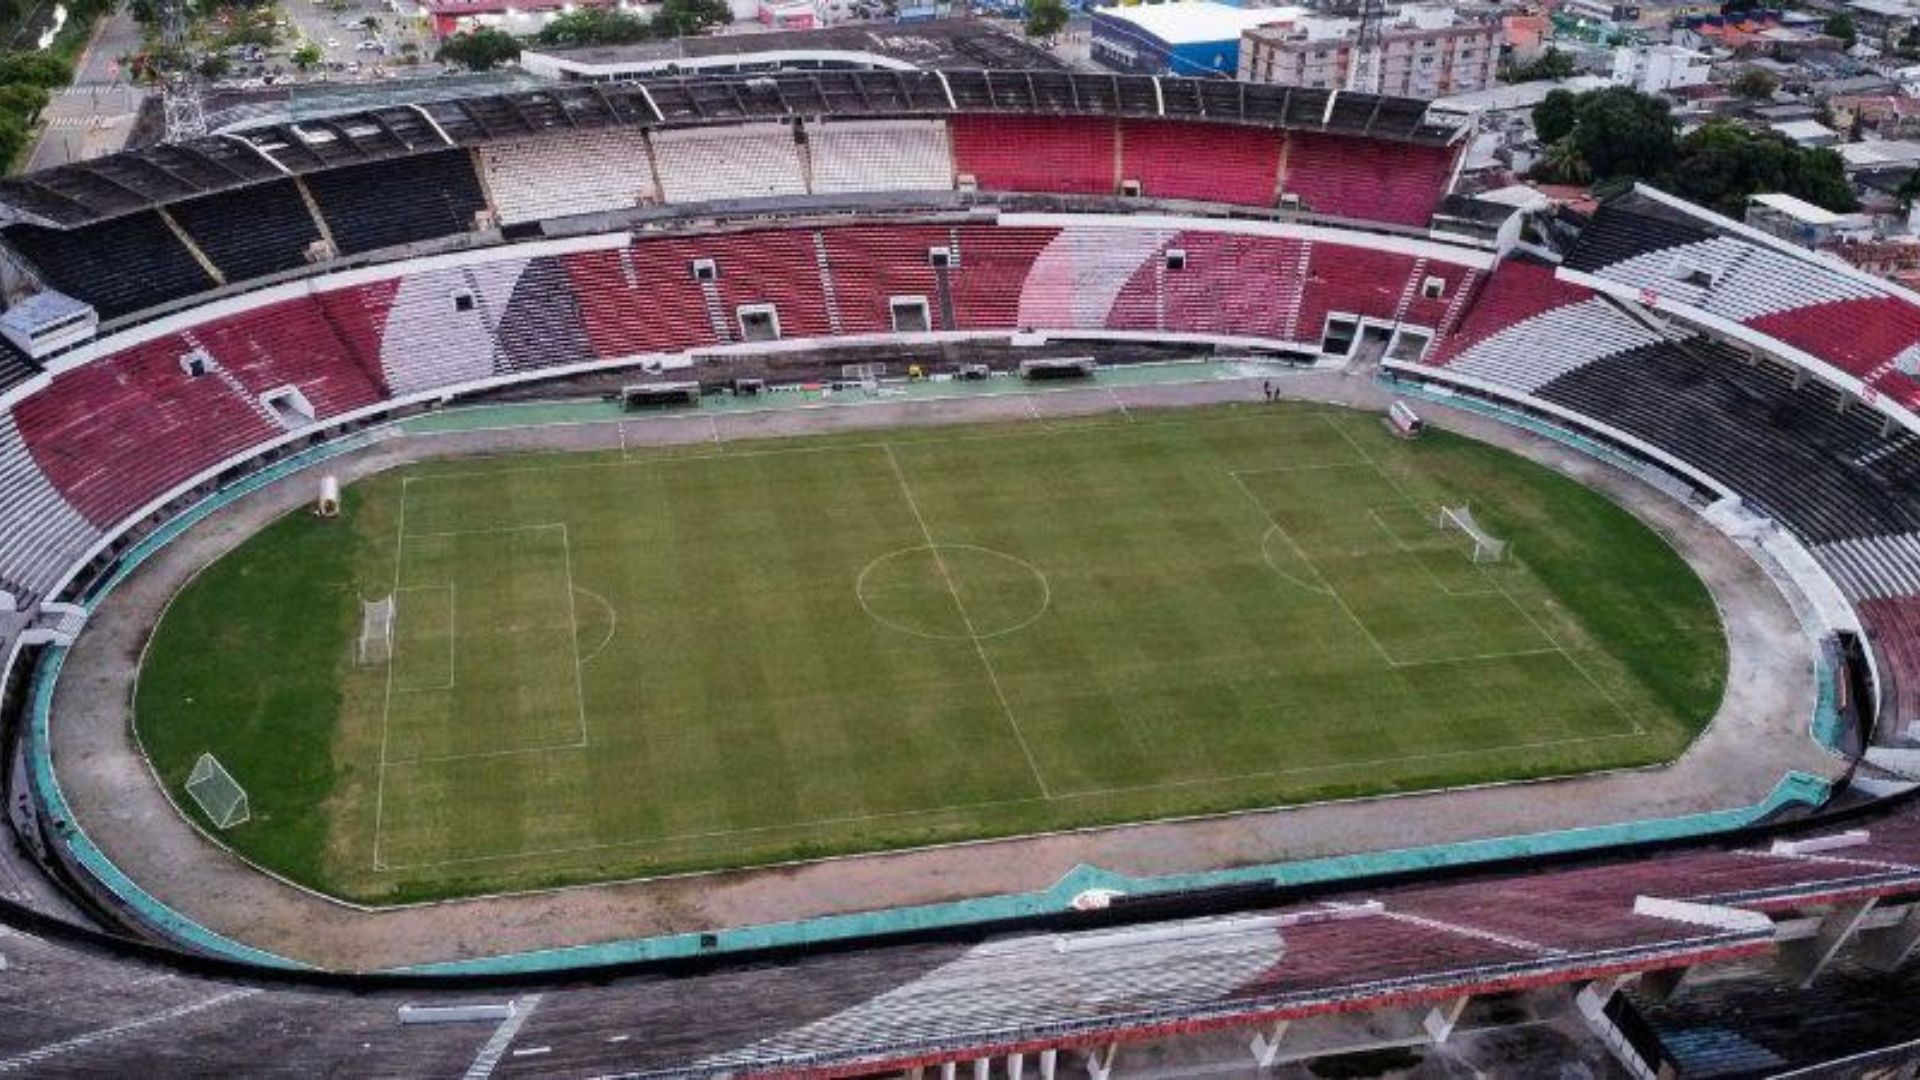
(1363, 71)
(185, 113)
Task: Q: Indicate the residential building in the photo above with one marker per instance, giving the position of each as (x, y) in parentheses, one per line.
(1657, 69)
(1425, 52)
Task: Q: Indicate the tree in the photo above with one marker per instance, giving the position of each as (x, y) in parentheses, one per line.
(14, 135)
(1623, 133)
(1756, 84)
(35, 69)
(1840, 25)
(1721, 165)
(685, 18)
(479, 50)
(1046, 18)
(307, 55)
(1550, 65)
(1553, 118)
(1909, 190)
(1561, 163)
(594, 26)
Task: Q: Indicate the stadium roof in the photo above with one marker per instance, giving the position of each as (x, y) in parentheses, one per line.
(106, 187)
(935, 44)
(1189, 22)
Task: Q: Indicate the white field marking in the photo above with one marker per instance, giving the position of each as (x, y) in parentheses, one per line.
(622, 425)
(394, 638)
(1055, 430)
(713, 426)
(496, 1045)
(1414, 554)
(1518, 944)
(386, 710)
(51, 1050)
(1033, 413)
(487, 531)
(967, 621)
(386, 703)
(989, 804)
(1114, 397)
(1305, 558)
(1046, 594)
(1315, 467)
(580, 697)
(1605, 695)
(1327, 587)
(613, 624)
(573, 634)
(1266, 556)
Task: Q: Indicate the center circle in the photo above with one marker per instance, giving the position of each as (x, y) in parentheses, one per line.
(953, 592)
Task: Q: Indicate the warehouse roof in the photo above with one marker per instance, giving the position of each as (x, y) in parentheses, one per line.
(1188, 22)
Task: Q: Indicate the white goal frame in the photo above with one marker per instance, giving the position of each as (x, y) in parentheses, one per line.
(376, 632)
(218, 794)
(1487, 548)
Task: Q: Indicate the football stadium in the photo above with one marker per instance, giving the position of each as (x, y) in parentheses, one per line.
(895, 572)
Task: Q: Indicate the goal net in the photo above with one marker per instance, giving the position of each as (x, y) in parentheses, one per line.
(1486, 547)
(218, 794)
(376, 631)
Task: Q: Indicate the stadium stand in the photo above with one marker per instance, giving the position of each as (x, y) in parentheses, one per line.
(872, 266)
(251, 232)
(1363, 282)
(1785, 452)
(119, 267)
(994, 262)
(1710, 268)
(880, 155)
(561, 176)
(776, 268)
(1556, 342)
(751, 161)
(1076, 278)
(441, 327)
(1242, 164)
(1036, 153)
(1228, 285)
(1517, 290)
(368, 207)
(289, 344)
(1361, 178)
(15, 368)
(45, 532)
(114, 434)
(542, 324)
(638, 300)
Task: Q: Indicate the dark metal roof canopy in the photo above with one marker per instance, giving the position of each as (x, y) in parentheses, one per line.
(106, 187)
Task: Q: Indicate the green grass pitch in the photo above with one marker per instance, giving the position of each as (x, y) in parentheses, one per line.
(607, 666)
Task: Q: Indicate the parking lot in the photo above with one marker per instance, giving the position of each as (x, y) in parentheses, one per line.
(350, 49)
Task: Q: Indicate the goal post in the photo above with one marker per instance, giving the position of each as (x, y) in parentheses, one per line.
(1487, 548)
(217, 793)
(376, 632)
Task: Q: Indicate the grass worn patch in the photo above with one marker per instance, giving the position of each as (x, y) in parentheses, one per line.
(722, 656)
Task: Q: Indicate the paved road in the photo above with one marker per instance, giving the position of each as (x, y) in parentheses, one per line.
(94, 115)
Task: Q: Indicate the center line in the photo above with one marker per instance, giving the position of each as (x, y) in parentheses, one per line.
(967, 621)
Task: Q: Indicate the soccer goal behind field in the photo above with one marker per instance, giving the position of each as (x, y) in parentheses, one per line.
(218, 794)
(376, 631)
(1487, 548)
